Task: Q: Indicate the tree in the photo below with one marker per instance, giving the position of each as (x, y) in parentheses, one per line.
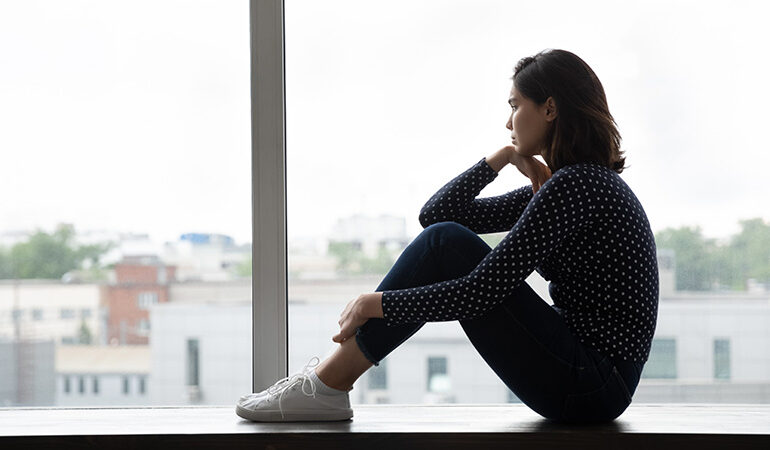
(747, 255)
(243, 269)
(5, 264)
(46, 255)
(84, 333)
(696, 258)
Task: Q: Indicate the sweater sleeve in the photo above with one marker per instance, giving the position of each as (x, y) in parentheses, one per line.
(547, 220)
(456, 201)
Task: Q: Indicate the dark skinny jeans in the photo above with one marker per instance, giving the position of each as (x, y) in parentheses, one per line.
(523, 339)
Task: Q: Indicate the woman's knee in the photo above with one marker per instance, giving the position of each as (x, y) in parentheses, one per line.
(442, 232)
(448, 228)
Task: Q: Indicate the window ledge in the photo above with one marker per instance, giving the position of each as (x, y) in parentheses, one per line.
(386, 426)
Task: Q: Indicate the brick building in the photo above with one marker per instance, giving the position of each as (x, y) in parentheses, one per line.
(139, 283)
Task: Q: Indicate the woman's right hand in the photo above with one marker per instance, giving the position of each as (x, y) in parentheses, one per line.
(530, 167)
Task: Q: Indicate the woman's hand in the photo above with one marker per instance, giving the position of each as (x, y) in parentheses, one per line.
(353, 316)
(531, 167)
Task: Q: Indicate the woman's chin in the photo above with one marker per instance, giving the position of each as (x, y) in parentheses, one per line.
(523, 152)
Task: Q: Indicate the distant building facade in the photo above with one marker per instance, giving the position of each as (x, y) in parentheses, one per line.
(139, 283)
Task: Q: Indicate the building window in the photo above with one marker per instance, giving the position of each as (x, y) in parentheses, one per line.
(378, 376)
(438, 378)
(146, 299)
(66, 313)
(125, 384)
(82, 384)
(722, 359)
(85, 313)
(142, 386)
(193, 368)
(662, 360)
(66, 384)
(144, 326)
(16, 314)
(37, 314)
(96, 384)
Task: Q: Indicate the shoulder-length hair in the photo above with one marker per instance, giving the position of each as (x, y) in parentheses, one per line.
(584, 130)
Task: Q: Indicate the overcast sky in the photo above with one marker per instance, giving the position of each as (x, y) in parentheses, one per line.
(134, 115)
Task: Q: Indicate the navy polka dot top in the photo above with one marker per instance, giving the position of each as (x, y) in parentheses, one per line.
(584, 231)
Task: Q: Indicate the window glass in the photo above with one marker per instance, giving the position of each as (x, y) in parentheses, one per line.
(387, 103)
(125, 199)
(662, 361)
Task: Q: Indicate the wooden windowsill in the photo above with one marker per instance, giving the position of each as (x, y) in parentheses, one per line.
(386, 426)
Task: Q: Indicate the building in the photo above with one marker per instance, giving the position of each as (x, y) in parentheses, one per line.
(205, 257)
(50, 309)
(90, 375)
(139, 283)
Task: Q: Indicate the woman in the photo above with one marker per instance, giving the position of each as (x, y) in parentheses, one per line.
(578, 225)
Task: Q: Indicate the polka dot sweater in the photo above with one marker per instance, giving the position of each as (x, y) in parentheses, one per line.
(584, 231)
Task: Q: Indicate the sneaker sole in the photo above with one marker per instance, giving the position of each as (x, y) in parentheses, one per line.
(294, 416)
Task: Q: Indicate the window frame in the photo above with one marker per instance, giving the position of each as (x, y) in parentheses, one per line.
(268, 194)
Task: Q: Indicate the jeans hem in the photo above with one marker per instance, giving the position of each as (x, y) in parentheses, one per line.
(363, 349)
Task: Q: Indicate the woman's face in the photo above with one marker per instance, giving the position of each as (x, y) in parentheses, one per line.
(529, 123)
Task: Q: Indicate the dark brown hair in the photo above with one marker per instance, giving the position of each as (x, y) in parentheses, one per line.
(584, 130)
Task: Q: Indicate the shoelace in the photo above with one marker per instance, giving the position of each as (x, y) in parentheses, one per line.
(284, 384)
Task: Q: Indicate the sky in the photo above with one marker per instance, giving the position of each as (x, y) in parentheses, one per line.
(134, 115)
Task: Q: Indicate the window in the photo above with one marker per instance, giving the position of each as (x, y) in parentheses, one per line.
(722, 359)
(146, 299)
(95, 380)
(81, 384)
(662, 361)
(438, 378)
(408, 72)
(96, 244)
(125, 384)
(378, 376)
(142, 388)
(407, 96)
(66, 384)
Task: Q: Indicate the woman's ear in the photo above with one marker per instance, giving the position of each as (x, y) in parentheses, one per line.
(550, 109)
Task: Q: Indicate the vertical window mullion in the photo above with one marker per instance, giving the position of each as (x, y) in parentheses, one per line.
(268, 188)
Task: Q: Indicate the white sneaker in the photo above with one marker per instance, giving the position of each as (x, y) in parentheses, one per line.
(284, 401)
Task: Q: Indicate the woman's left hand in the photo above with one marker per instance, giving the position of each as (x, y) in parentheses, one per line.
(352, 317)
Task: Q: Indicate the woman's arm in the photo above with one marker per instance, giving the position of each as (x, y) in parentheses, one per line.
(499, 159)
(561, 207)
(456, 201)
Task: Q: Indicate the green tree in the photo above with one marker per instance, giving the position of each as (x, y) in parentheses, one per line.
(84, 333)
(696, 257)
(244, 268)
(346, 255)
(747, 255)
(352, 260)
(380, 264)
(49, 256)
(5, 264)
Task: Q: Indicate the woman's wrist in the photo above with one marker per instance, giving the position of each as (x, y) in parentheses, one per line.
(373, 306)
(499, 159)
